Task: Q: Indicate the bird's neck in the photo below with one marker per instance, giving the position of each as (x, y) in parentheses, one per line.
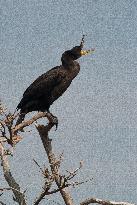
(72, 70)
(68, 66)
(68, 63)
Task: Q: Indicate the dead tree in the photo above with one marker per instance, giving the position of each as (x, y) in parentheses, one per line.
(9, 135)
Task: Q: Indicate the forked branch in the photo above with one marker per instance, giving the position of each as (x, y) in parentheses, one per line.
(31, 121)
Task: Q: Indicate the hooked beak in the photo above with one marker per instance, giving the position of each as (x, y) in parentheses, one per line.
(85, 52)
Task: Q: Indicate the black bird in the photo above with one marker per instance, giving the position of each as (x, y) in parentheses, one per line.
(48, 87)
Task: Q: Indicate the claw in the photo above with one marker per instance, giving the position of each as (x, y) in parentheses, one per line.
(55, 122)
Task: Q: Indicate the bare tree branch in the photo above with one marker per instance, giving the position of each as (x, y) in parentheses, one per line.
(64, 180)
(15, 139)
(46, 193)
(103, 202)
(43, 131)
(2, 108)
(9, 188)
(29, 122)
(19, 197)
(73, 174)
(2, 203)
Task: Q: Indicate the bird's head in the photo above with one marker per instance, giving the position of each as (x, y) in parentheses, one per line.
(77, 51)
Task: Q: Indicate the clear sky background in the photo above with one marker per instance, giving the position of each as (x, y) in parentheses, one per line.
(98, 113)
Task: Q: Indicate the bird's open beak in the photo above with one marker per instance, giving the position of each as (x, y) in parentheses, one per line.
(85, 52)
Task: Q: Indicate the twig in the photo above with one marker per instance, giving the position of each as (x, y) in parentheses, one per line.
(76, 183)
(73, 174)
(38, 166)
(10, 188)
(3, 132)
(2, 108)
(15, 139)
(103, 202)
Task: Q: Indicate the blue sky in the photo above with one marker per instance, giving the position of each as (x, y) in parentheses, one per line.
(99, 110)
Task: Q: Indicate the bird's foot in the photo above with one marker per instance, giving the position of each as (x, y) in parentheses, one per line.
(55, 122)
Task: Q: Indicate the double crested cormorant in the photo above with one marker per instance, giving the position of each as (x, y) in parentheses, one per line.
(51, 85)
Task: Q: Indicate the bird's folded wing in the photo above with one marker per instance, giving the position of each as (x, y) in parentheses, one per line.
(43, 84)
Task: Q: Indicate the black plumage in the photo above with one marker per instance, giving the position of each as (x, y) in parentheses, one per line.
(48, 87)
